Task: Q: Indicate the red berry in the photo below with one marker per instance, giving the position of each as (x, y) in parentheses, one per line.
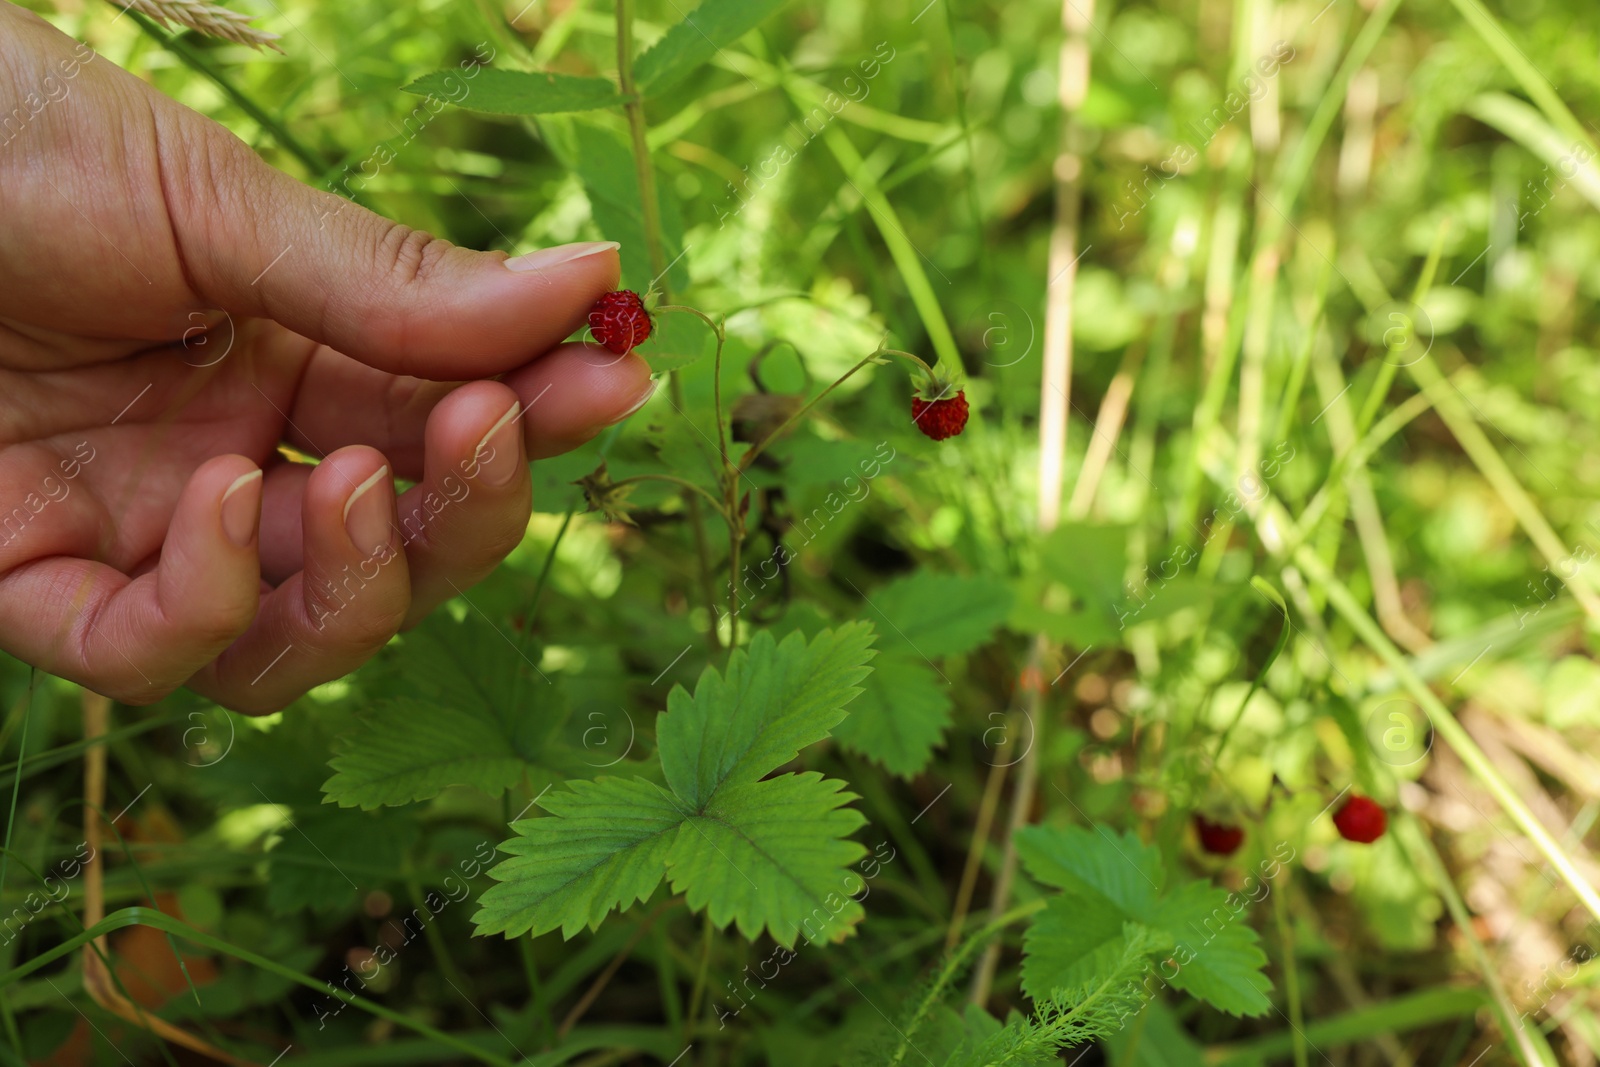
(1361, 819)
(1218, 838)
(619, 320)
(940, 418)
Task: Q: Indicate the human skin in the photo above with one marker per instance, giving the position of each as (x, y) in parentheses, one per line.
(172, 309)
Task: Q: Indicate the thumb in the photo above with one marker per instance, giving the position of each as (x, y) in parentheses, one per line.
(256, 242)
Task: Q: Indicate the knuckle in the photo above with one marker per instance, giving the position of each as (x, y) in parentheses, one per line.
(408, 257)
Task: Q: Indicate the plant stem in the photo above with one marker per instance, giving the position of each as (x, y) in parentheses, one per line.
(650, 216)
(1291, 973)
(672, 479)
(1452, 732)
(761, 446)
(156, 920)
(876, 357)
(1530, 1050)
(196, 60)
(436, 942)
(11, 820)
(1055, 390)
(692, 1017)
(633, 107)
(544, 572)
(604, 978)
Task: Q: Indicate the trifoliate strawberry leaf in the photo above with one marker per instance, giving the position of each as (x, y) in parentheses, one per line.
(1200, 932)
(605, 848)
(773, 701)
(930, 614)
(772, 855)
(763, 854)
(900, 717)
(451, 708)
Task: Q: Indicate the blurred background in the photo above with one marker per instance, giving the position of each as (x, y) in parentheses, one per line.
(1316, 281)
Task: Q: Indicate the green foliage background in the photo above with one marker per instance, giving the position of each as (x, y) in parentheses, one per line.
(1240, 278)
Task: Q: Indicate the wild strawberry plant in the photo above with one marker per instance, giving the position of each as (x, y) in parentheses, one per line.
(1103, 577)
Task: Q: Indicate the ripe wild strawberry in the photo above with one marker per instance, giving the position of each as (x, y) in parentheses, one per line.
(1361, 819)
(1219, 839)
(940, 418)
(619, 321)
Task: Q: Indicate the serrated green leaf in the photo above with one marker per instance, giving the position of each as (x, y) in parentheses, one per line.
(1225, 970)
(768, 855)
(1075, 938)
(606, 847)
(773, 701)
(604, 161)
(772, 855)
(412, 750)
(469, 715)
(518, 92)
(1108, 879)
(1116, 867)
(933, 614)
(900, 717)
(688, 44)
(326, 857)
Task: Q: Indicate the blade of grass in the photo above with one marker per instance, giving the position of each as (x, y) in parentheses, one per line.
(1410, 1012)
(1530, 1045)
(1449, 730)
(11, 822)
(1452, 407)
(156, 920)
(906, 256)
(1528, 128)
(1516, 61)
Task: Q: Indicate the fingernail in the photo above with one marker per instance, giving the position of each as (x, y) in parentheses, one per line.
(554, 257)
(644, 398)
(366, 514)
(241, 508)
(499, 453)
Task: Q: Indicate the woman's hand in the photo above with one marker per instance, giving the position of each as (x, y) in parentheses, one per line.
(171, 309)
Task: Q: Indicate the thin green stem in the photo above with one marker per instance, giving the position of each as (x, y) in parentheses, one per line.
(435, 938)
(1452, 732)
(682, 483)
(1291, 973)
(876, 357)
(951, 969)
(1516, 61)
(1406, 336)
(16, 785)
(196, 60)
(633, 107)
(544, 571)
(1530, 1049)
(697, 994)
(1356, 456)
(650, 216)
(156, 920)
